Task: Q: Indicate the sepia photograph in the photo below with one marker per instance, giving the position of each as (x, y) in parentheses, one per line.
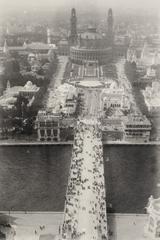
(79, 120)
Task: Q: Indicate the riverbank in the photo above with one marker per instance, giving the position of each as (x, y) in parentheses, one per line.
(35, 143)
(26, 223)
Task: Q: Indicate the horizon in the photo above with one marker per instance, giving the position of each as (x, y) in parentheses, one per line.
(121, 5)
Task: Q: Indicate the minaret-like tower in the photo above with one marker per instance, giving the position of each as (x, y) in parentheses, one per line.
(110, 26)
(8, 85)
(73, 27)
(48, 36)
(25, 45)
(5, 48)
(6, 51)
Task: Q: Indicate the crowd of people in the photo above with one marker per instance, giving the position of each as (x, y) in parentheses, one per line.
(85, 203)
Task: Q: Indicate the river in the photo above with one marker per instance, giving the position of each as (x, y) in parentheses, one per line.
(34, 178)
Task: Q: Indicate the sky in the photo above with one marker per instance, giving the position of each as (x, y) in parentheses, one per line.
(80, 3)
(121, 7)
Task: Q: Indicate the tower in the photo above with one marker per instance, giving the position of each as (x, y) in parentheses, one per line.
(8, 85)
(48, 36)
(5, 48)
(25, 45)
(110, 21)
(156, 59)
(144, 52)
(110, 26)
(6, 52)
(73, 27)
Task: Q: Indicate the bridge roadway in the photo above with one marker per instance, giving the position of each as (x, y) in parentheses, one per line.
(85, 206)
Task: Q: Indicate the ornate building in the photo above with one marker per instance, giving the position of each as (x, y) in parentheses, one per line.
(26, 48)
(152, 228)
(91, 46)
(136, 128)
(89, 53)
(54, 127)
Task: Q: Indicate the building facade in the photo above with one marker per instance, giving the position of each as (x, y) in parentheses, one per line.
(54, 127)
(136, 128)
(91, 47)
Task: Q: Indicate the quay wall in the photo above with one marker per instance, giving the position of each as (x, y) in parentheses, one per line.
(27, 143)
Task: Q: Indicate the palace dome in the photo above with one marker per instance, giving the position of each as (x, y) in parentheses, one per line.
(91, 33)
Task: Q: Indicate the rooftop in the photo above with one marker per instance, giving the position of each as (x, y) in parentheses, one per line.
(32, 46)
(91, 35)
(7, 101)
(29, 86)
(137, 119)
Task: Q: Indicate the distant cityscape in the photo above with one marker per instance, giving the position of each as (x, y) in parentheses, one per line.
(40, 72)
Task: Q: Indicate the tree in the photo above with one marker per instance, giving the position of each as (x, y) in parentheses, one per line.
(21, 107)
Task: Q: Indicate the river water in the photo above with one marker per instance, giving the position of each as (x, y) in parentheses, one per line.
(34, 178)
